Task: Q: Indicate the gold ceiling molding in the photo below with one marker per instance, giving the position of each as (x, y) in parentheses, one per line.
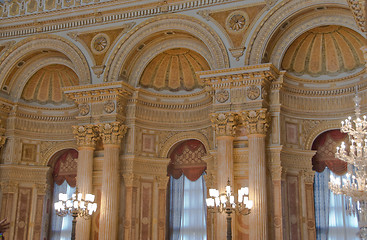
(197, 29)
(15, 9)
(174, 70)
(326, 50)
(234, 23)
(359, 8)
(35, 45)
(273, 19)
(46, 84)
(99, 44)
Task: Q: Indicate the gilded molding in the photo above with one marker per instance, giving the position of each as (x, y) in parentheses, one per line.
(224, 124)
(112, 133)
(131, 179)
(49, 148)
(256, 121)
(86, 136)
(358, 8)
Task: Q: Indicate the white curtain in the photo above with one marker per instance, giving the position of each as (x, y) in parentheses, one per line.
(187, 209)
(61, 226)
(332, 220)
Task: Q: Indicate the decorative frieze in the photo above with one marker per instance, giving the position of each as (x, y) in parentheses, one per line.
(358, 8)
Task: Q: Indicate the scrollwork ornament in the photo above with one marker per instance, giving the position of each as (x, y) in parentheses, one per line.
(109, 106)
(225, 124)
(112, 133)
(84, 109)
(86, 136)
(256, 121)
(222, 95)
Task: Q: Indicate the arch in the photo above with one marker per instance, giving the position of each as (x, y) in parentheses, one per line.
(320, 128)
(164, 23)
(43, 42)
(52, 150)
(277, 16)
(179, 137)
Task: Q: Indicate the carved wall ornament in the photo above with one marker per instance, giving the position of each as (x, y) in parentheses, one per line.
(253, 92)
(112, 133)
(256, 121)
(84, 109)
(109, 106)
(237, 21)
(222, 95)
(86, 136)
(358, 8)
(98, 70)
(100, 43)
(225, 124)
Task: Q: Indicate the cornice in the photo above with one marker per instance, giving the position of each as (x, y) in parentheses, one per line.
(94, 14)
(23, 173)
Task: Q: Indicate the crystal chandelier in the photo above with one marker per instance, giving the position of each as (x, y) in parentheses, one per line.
(354, 186)
(76, 206)
(227, 203)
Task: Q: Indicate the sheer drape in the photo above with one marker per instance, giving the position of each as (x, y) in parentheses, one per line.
(61, 226)
(187, 209)
(332, 220)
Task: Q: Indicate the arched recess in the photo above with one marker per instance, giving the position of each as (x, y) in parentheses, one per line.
(52, 151)
(191, 26)
(41, 43)
(177, 138)
(305, 14)
(319, 129)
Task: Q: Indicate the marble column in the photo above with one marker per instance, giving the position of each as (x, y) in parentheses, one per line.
(225, 129)
(256, 122)
(111, 134)
(131, 182)
(162, 182)
(86, 137)
(308, 203)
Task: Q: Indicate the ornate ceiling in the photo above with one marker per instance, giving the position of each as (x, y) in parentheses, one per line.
(45, 85)
(326, 50)
(174, 70)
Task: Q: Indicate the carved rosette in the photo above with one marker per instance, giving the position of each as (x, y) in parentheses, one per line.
(225, 124)
(112, 133)
(256, 121)
(86, 136)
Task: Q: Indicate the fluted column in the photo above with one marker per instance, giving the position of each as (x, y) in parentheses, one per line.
(256, 123)
(225, 128)
(86, 137)
(111, 134)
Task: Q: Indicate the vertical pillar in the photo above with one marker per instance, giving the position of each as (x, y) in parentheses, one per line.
(131, 197)
(308, 202)
(225, 129)
(162, 182)
(86, 137)
(111, 134)
(256, 122)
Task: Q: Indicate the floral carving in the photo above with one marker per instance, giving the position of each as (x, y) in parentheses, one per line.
(222, 95)
(109, 106)
(100, 43)
(237, 22)
(84, 109)
(253, 92)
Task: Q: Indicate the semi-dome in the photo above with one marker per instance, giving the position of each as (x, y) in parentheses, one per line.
(174, 70)
(45, 85)
(327, 50)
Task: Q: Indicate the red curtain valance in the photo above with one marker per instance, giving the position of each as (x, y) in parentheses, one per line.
(187, 159)
(65, 168)
(326, 144)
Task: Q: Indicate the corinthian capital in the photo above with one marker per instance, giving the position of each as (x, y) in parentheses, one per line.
(112, 133)
(224, 123)
(86, 136)
(256, 121)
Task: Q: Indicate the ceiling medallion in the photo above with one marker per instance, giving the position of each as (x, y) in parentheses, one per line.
(237, 21)
(100, 43)
(253, 92)
(222, 95)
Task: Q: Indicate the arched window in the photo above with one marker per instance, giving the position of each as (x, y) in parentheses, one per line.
(64, 178)
(187, 192)
(332, 219)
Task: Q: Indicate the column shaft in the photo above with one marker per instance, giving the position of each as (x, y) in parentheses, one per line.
(257, 187)
(110, 193)
(84, 183)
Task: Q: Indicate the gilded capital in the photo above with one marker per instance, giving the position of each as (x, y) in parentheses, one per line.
(112, 133)
(308, 176)
(256, 121)
(86, 135)
(162, 181)
(225, 124)
(131, 179)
